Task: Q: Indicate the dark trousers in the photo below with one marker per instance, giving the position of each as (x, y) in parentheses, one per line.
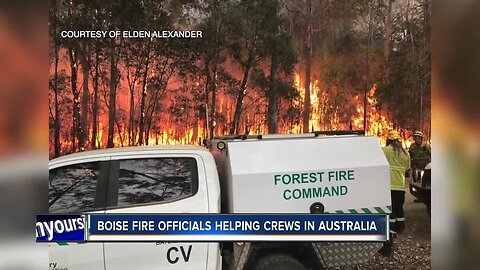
(397, 217)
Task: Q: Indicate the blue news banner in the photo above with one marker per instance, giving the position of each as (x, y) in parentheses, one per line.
(212, 227)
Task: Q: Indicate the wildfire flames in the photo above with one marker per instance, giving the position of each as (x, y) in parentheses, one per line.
(378, 122)
(192, 129)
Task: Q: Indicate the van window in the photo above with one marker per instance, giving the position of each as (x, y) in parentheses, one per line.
(156, 180)
(73, 188)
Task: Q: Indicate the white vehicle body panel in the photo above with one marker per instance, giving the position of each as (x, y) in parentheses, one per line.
(76, 256)
(249, 168)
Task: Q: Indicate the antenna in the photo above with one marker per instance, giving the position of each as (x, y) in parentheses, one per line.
(206, 117)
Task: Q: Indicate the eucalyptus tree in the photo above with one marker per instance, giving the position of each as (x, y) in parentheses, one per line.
(248, 21)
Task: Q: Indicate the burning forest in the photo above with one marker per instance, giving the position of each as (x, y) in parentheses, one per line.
(258, 67)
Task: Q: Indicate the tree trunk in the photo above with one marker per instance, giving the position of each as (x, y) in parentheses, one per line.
(420, 111)
(414, 69)
(207, 90)
(426, 68)
(214, 84)
(112, 98)
(131, 123)
(212, 108)
(388, 31)
(83, 132)
(55, 83)
(95, 100)
(309, 52)
(131, 120)
(426, 20)
(151, 109)
(148, 126)
(143, 101)
(272, 114)
(194, 139)
(367, 73)
(76, 97)
(214, 96)
(234, 128)
(120, 136)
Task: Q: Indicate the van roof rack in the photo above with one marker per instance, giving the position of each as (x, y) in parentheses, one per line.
(339, 132)
(300, 135)
(238, 137)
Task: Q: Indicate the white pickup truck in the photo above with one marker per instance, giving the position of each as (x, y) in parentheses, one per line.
(307, 173)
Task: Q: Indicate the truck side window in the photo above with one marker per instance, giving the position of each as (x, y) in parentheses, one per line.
(72, 188)
(156, 180)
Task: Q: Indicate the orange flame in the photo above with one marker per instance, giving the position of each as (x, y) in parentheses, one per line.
(322, 117)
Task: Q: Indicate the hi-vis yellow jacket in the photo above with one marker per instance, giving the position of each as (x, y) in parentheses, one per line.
(399, 164)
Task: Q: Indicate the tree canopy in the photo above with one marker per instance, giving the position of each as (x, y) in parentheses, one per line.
(269, 66)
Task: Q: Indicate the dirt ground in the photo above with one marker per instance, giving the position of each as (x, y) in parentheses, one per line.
(413, 247)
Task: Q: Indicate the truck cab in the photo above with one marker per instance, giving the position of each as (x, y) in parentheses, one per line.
(305, 173)
(153, 179)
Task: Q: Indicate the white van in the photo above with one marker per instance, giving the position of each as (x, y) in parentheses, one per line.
(249, 174)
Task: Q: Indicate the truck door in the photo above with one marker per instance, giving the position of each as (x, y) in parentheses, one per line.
(77, 188)
(157, 185)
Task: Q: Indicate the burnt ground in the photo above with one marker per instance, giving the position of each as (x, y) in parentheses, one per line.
(412, 248)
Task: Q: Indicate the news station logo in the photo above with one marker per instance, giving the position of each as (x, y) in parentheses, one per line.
(57, 228)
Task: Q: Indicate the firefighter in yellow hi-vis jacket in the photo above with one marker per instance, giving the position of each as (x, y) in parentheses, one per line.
(420, 151)
(420, 154)
(399, 161)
